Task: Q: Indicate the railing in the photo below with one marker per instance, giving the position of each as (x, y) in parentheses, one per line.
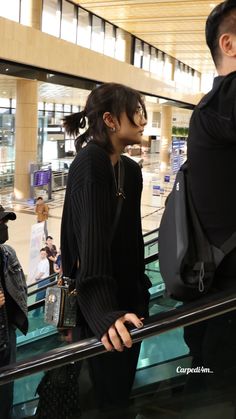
(208, 307)
(48, 278)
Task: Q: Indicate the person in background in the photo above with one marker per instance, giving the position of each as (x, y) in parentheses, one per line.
(42, 272)
(57, 264)
(42, 210)
(211, 157)
(13, 307)
(109, 271)
(51, 251)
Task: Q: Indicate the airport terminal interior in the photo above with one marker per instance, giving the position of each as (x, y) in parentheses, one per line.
(52, 54)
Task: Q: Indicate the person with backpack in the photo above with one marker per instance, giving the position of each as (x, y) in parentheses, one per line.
(101, 237)
(211, 159)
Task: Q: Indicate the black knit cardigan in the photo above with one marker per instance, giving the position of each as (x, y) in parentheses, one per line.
(109, 275)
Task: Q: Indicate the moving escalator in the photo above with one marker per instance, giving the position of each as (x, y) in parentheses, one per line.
(162, 390)
(161, 387)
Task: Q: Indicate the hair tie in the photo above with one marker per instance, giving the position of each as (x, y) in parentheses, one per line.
(82, 122)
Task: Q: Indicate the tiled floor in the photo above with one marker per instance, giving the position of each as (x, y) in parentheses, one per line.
(20, 230)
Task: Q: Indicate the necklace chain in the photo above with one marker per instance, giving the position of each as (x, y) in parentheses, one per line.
(119, 190)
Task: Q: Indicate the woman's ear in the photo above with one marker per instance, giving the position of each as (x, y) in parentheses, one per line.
(227, 43)
(109, 121)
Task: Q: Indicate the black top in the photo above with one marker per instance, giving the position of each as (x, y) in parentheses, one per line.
(212, 159)
(110, 277)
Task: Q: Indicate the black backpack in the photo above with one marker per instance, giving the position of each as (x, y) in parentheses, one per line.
(187, 259)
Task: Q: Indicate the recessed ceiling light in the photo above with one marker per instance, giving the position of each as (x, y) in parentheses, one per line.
(7, 69)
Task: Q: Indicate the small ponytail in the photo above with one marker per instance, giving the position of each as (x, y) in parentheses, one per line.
(74, 122)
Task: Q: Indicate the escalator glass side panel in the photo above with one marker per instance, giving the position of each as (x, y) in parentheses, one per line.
(38, 329)
(172, 383)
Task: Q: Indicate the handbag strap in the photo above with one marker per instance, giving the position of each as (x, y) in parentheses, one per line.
(120, 199)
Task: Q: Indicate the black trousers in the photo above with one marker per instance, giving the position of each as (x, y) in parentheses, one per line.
(112, 375)
(6, 390)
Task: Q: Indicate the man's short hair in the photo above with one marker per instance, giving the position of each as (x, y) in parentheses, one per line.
(39, 197)
(214, 27)
(43, 249)
(49, 237)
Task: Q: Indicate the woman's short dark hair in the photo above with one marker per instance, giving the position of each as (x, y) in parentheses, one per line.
(109, 97)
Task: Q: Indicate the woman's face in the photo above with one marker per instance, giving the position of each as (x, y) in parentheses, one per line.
(126, 132)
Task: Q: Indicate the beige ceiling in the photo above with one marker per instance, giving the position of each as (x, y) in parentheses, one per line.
(55, 93)
(47, 92)
(175, 27)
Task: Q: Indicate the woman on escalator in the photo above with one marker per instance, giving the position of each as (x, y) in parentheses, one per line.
(101, 237)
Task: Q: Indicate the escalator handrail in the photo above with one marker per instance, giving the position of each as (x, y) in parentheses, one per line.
(156, 230)
(44, 287)
(151, 242)
(48, 278)
(207, 307)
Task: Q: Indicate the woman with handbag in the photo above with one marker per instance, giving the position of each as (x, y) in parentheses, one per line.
(101, 236)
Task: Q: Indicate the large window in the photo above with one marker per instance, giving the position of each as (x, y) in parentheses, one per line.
(138, 53)
(167, 68)
(84, 28)
(97, 40)
(146, 57)
(120, 45)
(68, 22)
(153, 60)
(160, 63)
(51, 17)
(10, 9)
(110, 40)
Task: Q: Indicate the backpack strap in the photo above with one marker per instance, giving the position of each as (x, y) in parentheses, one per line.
(229, 244)
(203, 246)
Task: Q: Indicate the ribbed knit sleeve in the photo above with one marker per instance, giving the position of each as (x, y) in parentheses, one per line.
(91, 209)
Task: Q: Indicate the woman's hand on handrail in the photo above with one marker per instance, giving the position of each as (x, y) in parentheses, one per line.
(117, 336)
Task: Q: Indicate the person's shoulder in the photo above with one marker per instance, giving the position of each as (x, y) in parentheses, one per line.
(9, 250)
(222, 95)
(228, 86)
(91, 164)
(93, 152)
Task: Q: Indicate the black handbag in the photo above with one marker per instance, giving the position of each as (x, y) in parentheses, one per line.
(61, 306)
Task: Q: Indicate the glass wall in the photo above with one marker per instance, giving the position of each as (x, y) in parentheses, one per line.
(10, 9)
(7, 143)
(84, 28)
(120, 44)
(68, 22)
(97, 39)
(151, 59)
(138, 53)
(74, 24)
(51, 17)
(110, 40)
